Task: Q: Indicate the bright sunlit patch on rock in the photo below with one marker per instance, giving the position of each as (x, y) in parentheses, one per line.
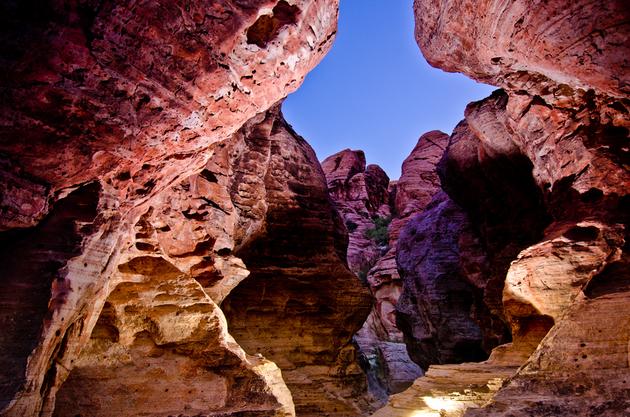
(442, 403)
(437, 407)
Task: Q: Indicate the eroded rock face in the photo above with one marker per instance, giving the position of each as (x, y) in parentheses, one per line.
(435, 310)
(161, 347)
(300, 305)
(107, 111)
(454, 256)
(368, 203)
(360, 195)
(50, 294)
(195, 245)
(516, 44)
(131, 93)
(418, 183)
(581, 367)
(545, 279)
(564, 106)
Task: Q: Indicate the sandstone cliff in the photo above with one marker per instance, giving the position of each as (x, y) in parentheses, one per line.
(169, 246)
(135, 142)
(360, 195)
(375, 211)
(199, 245)
(562, 110)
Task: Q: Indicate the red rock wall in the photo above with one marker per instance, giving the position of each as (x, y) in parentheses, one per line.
(300, 305)
(540, 170)
(362, 196)
(117, 85)
(112, 106)
(564, 106)
(161, 320)
(521, 43)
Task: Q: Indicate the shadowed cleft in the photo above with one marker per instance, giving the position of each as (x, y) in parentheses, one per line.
(582, 234)
(33, 261)
(615, 278)
(267, 27)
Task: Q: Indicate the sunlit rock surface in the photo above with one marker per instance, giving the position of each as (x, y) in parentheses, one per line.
(116, 119)
(448, 391)
(581, 367)
(517, 44)
(161, 321)
(146, 188)
(160, 347)
(99, 90)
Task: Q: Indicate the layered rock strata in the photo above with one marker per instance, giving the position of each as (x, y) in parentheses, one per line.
(564, 106)
(300, 305)
(435, 309)
(161, 320)
(363, 197)
(131, 93)
(107, 111)
(360, 194)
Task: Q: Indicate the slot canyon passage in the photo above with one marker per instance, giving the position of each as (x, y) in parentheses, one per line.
(172, 247)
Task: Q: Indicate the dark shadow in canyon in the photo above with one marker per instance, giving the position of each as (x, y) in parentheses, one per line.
(32, 285)
(455, 255)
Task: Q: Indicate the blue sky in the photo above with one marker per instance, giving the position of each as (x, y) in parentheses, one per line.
(374, 90)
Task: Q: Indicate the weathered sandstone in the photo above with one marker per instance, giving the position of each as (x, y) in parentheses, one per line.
(300, 305)
(115, 124)
(132, 93)
(454, 256)
(160, 347)
(435, 310)
(564, 107)
(581, 367)
(517, 44)
(362, 195)
(206, 239)
(169, 245)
